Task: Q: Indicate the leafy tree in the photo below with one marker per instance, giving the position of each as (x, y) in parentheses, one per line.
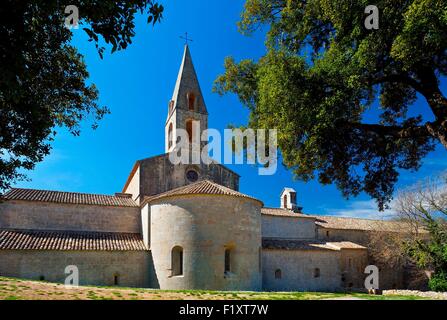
(43, 77)
(324, 70)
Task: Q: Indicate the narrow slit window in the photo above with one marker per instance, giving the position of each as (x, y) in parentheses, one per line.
(191, 101)
(177, 261)
(227, 260)
(170, 137)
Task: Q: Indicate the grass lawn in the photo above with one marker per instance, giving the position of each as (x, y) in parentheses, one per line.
(19, 289)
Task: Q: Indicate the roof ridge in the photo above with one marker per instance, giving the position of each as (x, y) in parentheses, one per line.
(355, 218)
(67, 231)
(200, 187)
(53, 196)
(58, 191)
(23, 239)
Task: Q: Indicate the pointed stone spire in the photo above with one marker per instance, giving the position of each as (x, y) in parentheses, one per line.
(187, 83)
(187, 106)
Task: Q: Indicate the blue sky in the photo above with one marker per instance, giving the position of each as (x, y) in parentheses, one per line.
(136, 85)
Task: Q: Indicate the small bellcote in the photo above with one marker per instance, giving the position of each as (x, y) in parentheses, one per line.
(288, 200)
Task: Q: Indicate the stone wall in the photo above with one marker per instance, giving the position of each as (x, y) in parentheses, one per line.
(356, 236)
(352, 266)
(133, 187)
(205, 226)
(337, 270)
(158, 175)
(390, 277)
(133, 268)
(288, 227)
(57, 216)
(298, 268)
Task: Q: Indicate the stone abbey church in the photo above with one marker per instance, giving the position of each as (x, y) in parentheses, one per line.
(184, 227)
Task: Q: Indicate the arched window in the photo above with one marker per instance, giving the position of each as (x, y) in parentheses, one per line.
(189, 129)
(116, 279)
(177, 261)
(171, 106)
(191, 101)
(316, 272)
(227, 260)
(285, 200)
(278, 274)
(170, 138)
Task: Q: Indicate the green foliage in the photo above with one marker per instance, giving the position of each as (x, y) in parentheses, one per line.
(324, 70)
(43, 81)
(438, 282)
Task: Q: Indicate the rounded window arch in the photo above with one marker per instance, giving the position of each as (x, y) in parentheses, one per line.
(177, 261)
(191, 97)
(278, 274)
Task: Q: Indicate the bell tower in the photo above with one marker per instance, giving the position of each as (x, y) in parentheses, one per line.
(186, 109)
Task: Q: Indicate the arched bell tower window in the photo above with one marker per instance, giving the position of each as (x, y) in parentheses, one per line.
(177, 261)
(170, 137)
(189, 129)
(191, 101)
(285, 201)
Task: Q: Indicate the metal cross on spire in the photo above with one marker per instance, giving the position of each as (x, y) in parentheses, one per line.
(186, 38)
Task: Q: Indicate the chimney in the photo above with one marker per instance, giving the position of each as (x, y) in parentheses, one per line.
(288, 200)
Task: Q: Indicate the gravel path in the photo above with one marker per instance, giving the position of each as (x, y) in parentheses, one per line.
(427, 294)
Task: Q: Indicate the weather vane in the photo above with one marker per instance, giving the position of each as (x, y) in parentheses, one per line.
(186, 38)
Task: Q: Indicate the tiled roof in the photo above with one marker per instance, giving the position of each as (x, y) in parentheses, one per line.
(343, 223)
(69, 197)
(284, 213)
(201, 187)
(344, 245)
(70, 240)
(287, 244)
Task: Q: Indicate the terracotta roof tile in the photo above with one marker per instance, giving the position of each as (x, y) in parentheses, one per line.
(201, 187)
(70, 240)
(288, 244)
(284, 213)
(344, 223)
(69, 197)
